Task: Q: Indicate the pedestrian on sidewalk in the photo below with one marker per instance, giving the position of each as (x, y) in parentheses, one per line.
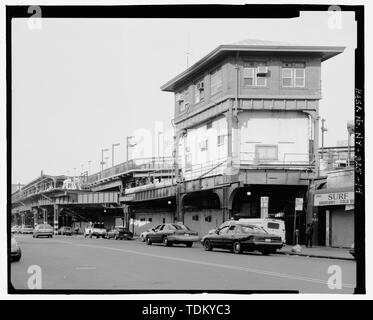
(309, 234)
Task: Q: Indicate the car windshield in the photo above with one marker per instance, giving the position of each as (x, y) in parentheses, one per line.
(180, 227)
(248, 228)
(45, 226)
(98, 225)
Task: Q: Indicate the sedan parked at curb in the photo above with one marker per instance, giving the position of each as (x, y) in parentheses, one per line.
(146, 232)
(119, 232)
(65, 231)
(241, 237)
(43, 230)
(26, 229)
(171, 233)
(15, 250)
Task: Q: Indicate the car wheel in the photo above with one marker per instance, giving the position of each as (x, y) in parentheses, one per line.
(207, 245)
(237, 248)
(148, 241)
(166, 243)
(189, 244)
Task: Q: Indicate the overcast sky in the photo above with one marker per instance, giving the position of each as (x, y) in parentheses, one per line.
(80, 85)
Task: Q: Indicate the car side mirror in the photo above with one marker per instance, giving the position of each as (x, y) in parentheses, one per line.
(217, 231)
(153, 229)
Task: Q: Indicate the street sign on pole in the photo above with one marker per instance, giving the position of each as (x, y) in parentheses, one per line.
(264, 207)
(298, 204)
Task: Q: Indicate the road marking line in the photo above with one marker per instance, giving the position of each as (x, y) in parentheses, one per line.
(210, 264)
(85, 268)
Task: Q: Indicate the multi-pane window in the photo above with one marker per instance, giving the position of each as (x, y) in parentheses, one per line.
(216, 81)
(266, 152)
(255, 74)
(221, 140)
(203, 145)
(181, 100)
(199, 92)
(293, 74)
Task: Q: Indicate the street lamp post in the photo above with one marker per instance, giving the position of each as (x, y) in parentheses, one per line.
(323, 130)
(128, 145)
(112, 152)
(89, 166)
(102, 158)
(106, 161)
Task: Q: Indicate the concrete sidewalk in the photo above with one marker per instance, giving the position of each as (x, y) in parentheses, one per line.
(319, 252)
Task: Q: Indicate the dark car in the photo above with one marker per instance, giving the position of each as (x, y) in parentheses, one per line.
(65, 231)
(119, 233)
(171, 233)
(242, 237)
(15, 250)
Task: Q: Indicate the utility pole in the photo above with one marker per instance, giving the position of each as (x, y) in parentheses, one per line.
(187, 52)
(323, 130)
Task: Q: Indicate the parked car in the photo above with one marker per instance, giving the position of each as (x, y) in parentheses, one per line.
(15, 249)
(170, 233)
(272, 226)
(43, 230)
(96, 229)
(224, 224)
(26, 229)
(65, 231)
(146, 232)
(119, 232)
(15, 229)
(239, 237)
(352, 250)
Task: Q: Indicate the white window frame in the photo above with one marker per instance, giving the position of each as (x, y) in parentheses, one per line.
(255, 77)
(292, 66)
(197, 93)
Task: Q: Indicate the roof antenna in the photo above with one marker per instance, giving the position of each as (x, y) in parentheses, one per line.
(187, 53)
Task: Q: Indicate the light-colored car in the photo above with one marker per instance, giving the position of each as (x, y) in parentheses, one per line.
(26, 229)
(65, 231)
(96, 229)
(15, 250)
(272, 226)
(15, 229)
(43, 230)
(146, 232)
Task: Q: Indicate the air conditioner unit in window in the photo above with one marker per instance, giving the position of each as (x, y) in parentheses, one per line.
(180, 98)
(200, 86)
(262, 70)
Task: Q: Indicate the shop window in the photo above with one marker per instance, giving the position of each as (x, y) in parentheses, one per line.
(208, 219)
(203, 145)
(195, 217)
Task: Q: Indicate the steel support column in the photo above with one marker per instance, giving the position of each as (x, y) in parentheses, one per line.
(56, 212)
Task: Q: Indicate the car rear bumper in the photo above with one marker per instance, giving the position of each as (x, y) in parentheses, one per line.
(15, 253)
(43, 234)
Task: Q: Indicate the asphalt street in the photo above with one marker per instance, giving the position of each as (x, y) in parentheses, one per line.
(78, 263)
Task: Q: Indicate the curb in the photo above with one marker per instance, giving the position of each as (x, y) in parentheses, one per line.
(314, 256)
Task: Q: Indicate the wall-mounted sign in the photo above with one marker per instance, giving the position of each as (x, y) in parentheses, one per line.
(334, 199)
